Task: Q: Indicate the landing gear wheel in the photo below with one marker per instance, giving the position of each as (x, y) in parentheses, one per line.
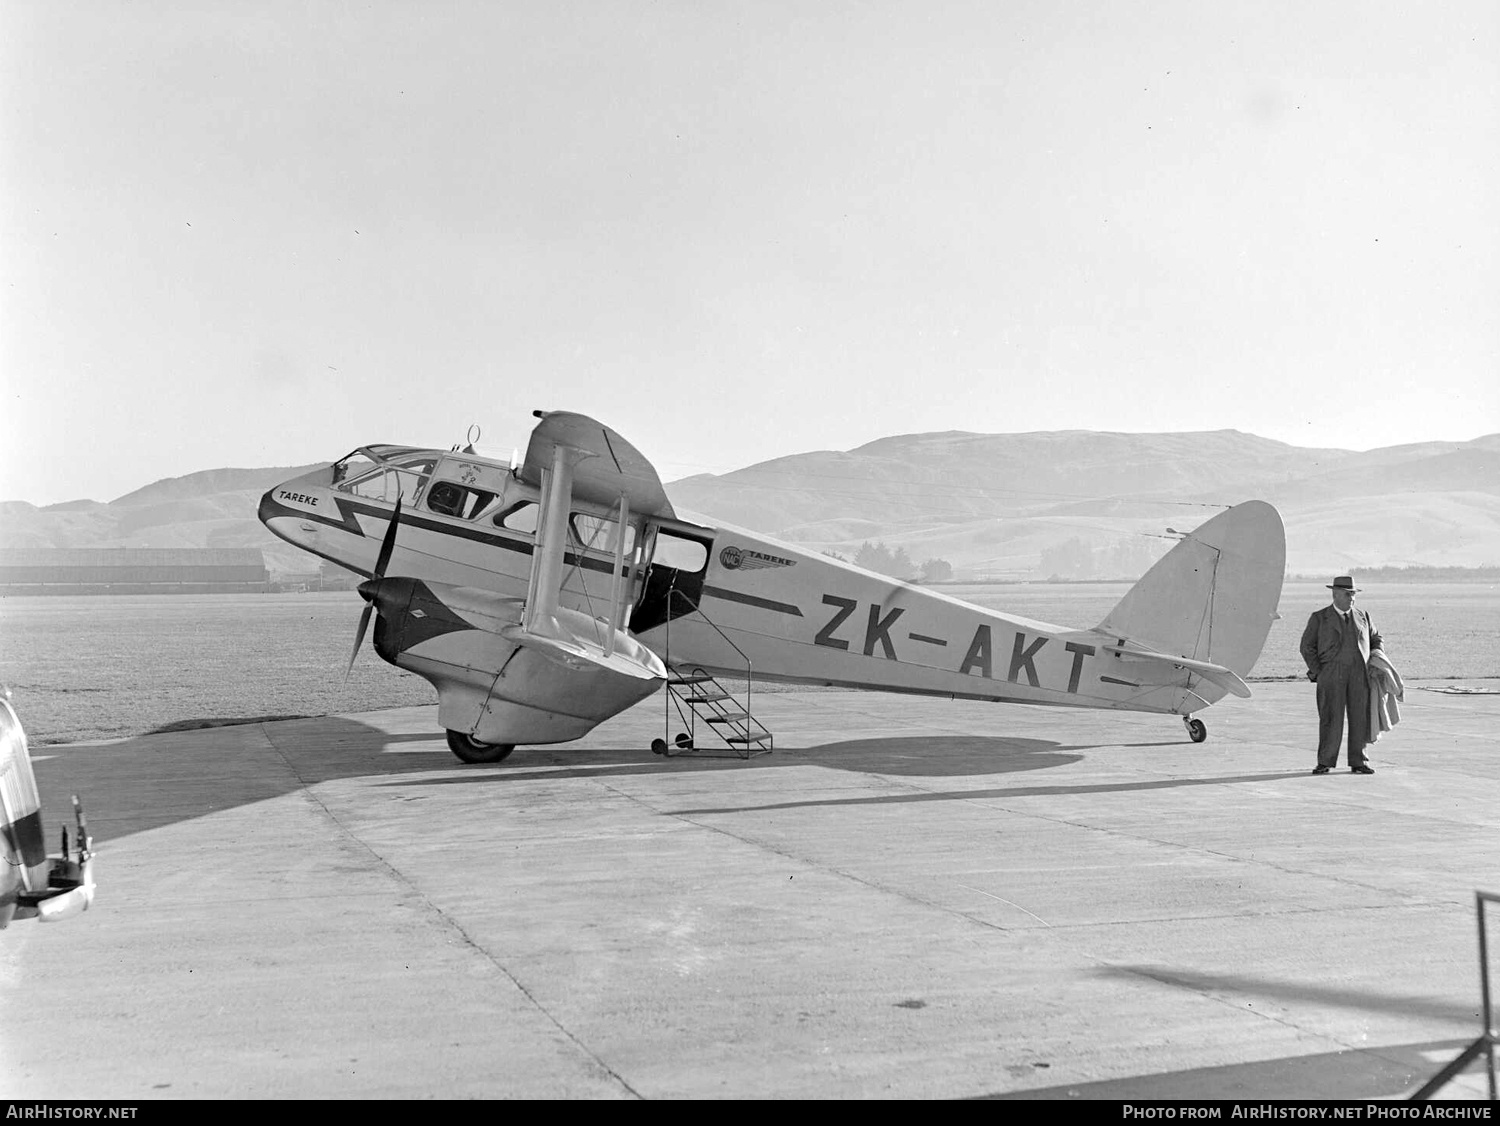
(658, 746)
(1197, 729)
(470, 749)
(684, 741)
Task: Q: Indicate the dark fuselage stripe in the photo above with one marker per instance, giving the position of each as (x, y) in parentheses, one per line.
(751, 600)
(349, 524)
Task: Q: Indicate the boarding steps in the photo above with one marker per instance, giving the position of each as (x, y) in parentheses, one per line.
(699, 697)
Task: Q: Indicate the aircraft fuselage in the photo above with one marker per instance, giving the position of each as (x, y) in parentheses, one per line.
(710, 596)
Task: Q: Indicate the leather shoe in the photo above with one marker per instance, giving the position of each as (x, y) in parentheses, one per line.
(1361, 769)
(1320, 770)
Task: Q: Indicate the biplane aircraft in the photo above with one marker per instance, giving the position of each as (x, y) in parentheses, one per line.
(34, 885)
(543, 597)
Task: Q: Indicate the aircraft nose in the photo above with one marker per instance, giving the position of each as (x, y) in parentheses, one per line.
(301, 496)
(390, 595)
(268, 507)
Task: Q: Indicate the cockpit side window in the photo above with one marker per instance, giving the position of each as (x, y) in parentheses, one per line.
(412, 476)
(452, 499)
(379, 484)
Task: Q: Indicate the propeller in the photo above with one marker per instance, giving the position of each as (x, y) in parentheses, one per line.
(367, 588)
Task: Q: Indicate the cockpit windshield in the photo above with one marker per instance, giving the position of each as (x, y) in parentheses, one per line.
(384, 472)
(351, 466)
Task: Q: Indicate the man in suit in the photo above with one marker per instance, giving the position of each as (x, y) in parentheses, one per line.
(1336, 646)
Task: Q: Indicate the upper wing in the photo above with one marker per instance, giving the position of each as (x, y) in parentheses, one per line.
(609, 466)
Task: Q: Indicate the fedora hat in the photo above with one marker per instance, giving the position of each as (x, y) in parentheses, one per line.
(1343, 582)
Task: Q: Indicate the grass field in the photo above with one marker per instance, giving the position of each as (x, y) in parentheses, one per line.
(100, 668)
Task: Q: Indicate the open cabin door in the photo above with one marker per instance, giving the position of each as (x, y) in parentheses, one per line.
(678, 560)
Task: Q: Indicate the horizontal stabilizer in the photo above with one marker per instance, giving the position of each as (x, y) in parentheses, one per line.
(1226, 679)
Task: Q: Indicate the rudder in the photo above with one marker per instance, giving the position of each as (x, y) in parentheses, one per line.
(1213, 597)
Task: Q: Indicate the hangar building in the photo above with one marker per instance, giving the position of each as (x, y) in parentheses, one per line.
(132, 570)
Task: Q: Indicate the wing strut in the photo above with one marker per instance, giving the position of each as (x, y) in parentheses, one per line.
(616, 588)
(552, 542)
(548, 562)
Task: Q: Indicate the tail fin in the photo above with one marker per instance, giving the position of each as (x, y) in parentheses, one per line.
(1213, 597)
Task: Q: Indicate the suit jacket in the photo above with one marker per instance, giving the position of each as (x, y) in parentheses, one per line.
(1325, 633)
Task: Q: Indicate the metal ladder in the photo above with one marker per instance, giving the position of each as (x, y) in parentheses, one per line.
(698, 696)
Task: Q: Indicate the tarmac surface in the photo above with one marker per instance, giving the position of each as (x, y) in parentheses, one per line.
(909, 898)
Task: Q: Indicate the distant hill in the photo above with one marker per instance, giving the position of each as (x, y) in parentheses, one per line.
(211, 483)
(997, 504)
(954, 475)
(213, 508)
(992, 505)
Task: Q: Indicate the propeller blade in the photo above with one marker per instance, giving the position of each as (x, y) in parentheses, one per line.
(387, 545)
(359, 636)
(389, 542)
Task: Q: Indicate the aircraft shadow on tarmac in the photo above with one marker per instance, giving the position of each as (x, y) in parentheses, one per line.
(117, 807)
(932, 756)
(913, 757)
(1000, 793)
(321, 749)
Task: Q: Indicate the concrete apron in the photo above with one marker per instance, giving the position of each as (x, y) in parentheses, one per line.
(910, 898)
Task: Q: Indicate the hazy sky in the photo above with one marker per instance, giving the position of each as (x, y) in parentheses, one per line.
(259, 234)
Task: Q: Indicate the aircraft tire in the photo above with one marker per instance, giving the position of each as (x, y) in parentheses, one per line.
(1197, 730)
(471, 750)
(658, 746)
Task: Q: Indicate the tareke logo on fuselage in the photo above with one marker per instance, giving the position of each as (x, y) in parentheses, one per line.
(743, 559)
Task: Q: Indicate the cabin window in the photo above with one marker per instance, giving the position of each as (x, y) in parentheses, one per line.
(452, 499)
(519, 517)
(597, 533)
(679, 552)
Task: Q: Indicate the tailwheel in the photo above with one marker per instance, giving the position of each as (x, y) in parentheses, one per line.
(1197, 730)
(470, 749)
